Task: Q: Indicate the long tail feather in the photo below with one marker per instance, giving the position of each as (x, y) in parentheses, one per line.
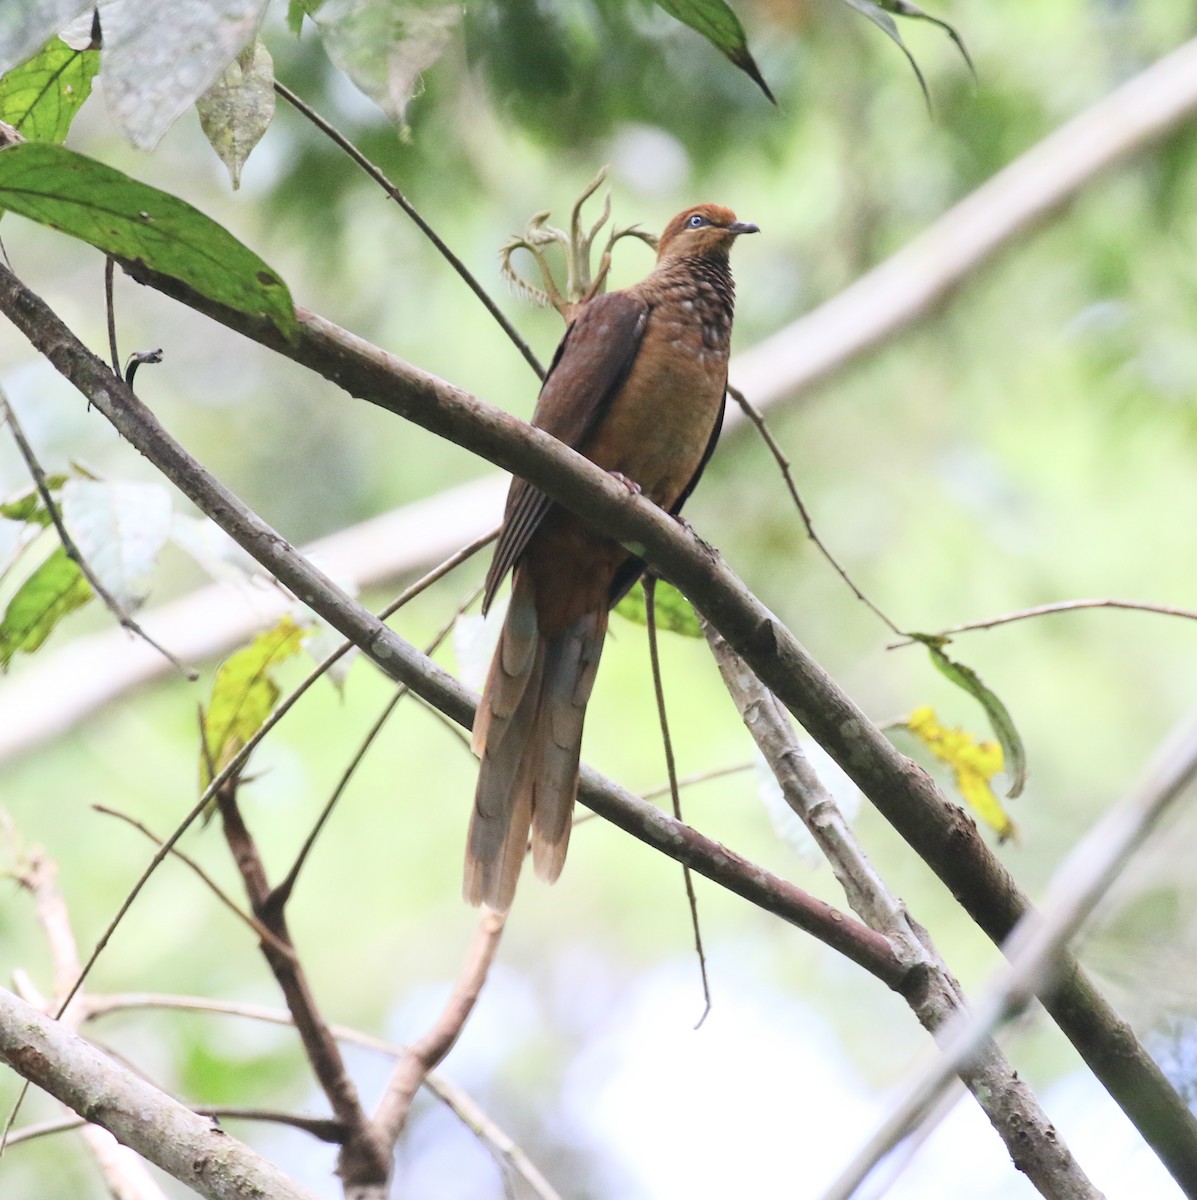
(528, 734)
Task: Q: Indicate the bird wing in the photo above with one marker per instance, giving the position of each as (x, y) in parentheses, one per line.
(591, 363)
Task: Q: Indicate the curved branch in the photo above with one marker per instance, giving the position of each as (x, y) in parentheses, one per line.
(185, 1145)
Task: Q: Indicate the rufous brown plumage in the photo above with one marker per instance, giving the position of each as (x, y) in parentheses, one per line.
(637, 385)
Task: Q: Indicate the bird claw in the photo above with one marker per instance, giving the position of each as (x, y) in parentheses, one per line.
(633, 487)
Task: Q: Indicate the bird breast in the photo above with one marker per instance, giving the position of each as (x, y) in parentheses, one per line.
(661, 420)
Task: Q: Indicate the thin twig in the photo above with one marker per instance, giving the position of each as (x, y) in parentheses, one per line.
(283, 892)
(360, 1159)
(934, 995)
(1043, 610)
(395, 194)
(458, 1101)
(1035, 949)
(124, 1174)
(110, 309)
(783, 464)
(649, 583)
(580, 818)
(426, 1053)
(318, 1127)
(249, 919)
(113, 605)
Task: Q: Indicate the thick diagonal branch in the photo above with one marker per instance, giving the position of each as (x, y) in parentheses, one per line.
(938, 831)
(934, 996)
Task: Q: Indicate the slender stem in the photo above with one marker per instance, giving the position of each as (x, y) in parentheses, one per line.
(1059, 606)
(110, 309)
(783, 464)
(113, 605)
(282, 893)
(395, 194)
(249, 919)
(649, 584)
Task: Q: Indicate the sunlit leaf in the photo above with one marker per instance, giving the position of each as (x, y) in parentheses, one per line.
(673, 611)
(974, 765)
(119, 529)
(28, 507)
(135, 222)
(160, 58)
(999, 717)
(236, 110)
(41, 97)
(384, 48)
(55, 589)
(244, 694)
(716, 21)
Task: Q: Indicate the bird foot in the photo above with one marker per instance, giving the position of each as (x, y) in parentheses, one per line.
(633, 487)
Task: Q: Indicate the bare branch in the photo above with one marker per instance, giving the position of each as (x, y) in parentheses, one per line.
(425, 1054)
(933, 993)
(360, 1161)
(1036, 948)
(467, 1110)
(1043, 610)
(186, 1146)
(649, 583)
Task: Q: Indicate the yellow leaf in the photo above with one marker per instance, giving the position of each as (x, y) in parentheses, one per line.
(244, 695)
(974, 765)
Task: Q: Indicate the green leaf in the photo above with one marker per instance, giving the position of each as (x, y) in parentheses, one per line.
(721, 27)
(877, 14)
(237, 109)
(41, 97)
(138, 223)
(1013, 753)
(673, 610)
(297, 10)
(905, 9)
(55, 589)
(244, 695)
(28, 507)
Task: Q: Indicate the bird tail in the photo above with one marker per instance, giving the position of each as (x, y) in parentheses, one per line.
(528, 734)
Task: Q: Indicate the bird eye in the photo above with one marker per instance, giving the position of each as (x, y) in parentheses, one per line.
(697, 221)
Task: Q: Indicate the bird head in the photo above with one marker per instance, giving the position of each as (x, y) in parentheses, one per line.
(704, 231)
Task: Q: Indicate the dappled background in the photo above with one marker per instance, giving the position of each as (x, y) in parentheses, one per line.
(1032, 441)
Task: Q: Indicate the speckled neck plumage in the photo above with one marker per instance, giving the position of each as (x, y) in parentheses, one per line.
(703, 284)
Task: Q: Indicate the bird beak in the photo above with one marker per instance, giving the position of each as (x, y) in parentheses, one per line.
(742, 227)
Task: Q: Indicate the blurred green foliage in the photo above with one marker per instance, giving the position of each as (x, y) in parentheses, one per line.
(1032, 442)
